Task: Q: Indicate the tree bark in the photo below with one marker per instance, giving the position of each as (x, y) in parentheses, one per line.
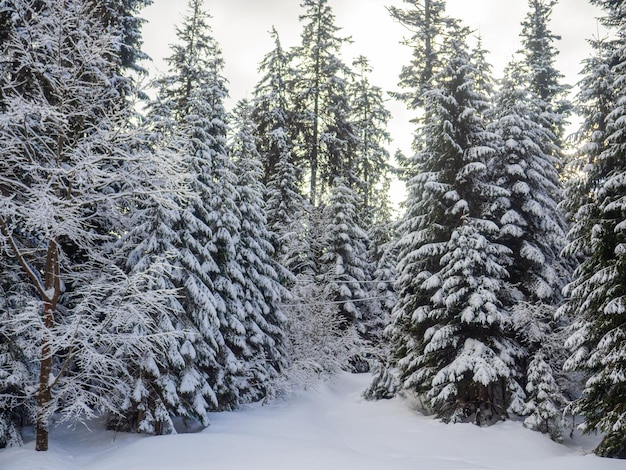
(52, 286)
(314, 157)
(44, 396)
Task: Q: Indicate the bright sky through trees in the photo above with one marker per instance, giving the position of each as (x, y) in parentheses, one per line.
(241, 27)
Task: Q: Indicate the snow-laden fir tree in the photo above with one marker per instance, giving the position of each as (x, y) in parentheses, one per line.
(64, 132)
(191, 99)
(344, 268)
(287, 209)
(372, 160)
(449, 331)
(169, 384)
(272, 110)
(530, 115)
(17, 372)
(484, 78)
(154, 400)
(275, 127)
(595, 297)
(326, 137)
(427, 20)
(429, 25)
(344, 264)
(541, 77)
(260, 290)
(595, 101)
(382, 255)
(374, 171)
(544, 409)
(531, 223)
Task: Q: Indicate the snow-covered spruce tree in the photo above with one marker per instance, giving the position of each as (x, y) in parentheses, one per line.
(275, 127)
(260, 291)
(193, 94)
(372, 160)
(344, 263)
(532, 226)
(170, 383)
(374, 213)
(542, 78)
(287, 209)
(122, 17)
(595, 297)
(594, 102)
(344, 269)
(382, 255)
(544, 409)
(530, 117)
(272, 111)
(450, 338)
(64, 128)
(326, 137)
(17, 372)
(287, 212)
(427, 20)
(318, 342)
(484, 79)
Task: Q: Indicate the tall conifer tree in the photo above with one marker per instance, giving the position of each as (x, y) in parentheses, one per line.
(326, 136)
(190, 109)
(542, 78)
(167, 384)
(533, 227)
(450, 334)
(372, 160)
(272, 108)
(530, 117)
(344, 263)
(428, 20)
(275, 128)
(260, 291)
(596, 294)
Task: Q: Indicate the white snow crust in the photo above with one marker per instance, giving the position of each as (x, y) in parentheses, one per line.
(331, 428)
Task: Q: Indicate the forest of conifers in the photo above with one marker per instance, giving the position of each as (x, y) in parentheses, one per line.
(164, 257)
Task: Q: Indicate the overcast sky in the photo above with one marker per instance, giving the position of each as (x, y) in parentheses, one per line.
(241, 28)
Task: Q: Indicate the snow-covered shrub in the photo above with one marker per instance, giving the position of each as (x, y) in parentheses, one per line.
(545, 399)
(384, 385)
(317, 343)
(548, 387)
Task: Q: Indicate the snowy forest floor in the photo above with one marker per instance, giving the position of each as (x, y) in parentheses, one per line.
(330, 428)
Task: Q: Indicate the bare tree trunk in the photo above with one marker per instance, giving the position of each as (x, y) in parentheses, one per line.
(428, 46)
(52, 286)
(314, 156)
(44, 395)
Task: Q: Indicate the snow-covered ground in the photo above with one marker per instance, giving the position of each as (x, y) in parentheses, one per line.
(329, 428)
